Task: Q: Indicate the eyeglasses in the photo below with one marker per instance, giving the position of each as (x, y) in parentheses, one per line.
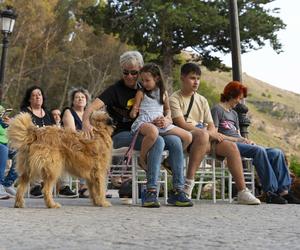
(131, 72)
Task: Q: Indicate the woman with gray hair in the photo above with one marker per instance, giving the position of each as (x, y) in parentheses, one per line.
(72, 118)
(119, 99)
(72, 115)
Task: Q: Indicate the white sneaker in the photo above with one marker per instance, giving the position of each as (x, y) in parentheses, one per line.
(188, 187)
(11, 190)
(3, 194)
(247, 198)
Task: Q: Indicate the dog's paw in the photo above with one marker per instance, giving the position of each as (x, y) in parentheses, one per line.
(54, 205)
(19, 204)
(106, 204)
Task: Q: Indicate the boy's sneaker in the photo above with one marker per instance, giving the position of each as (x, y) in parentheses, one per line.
(291, 199)
(36, 192)
(188, 187)
(3, 194)
(151, 199)
(66, 192)
(11, 190)
(179, 198)
(245, 197)
(273, 198)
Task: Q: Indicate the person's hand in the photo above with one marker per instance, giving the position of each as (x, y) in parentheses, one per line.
(247, 141)
(6, 120)
(216, 136)
(162, 122)
(134, 112)
(88, 130)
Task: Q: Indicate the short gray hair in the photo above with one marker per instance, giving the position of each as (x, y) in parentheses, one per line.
(131, 58)
(74, 90)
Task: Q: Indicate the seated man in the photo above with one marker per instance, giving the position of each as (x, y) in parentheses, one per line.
(190, 111)
(118, 99)
(269, 162)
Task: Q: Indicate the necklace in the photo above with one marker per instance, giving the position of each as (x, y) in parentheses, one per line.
(37, 120)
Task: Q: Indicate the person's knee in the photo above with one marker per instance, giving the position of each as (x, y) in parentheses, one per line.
(159, 144)
(227, 149)
(261, 150)
(277, 151)
(188, 138)
(152, 133)
(200, 136)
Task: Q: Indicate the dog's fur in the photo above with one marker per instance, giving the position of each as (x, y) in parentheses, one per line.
(46, 152)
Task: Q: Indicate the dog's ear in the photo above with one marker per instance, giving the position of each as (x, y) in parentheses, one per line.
(109, 121)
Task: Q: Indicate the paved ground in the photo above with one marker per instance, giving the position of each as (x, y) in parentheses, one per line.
(79, 225)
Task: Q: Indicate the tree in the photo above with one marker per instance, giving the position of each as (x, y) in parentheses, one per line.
(164, 28)
(53, 48)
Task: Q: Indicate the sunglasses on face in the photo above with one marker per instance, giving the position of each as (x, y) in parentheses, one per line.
(131, 72)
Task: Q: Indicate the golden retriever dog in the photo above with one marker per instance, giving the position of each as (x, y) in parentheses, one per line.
(45, 152)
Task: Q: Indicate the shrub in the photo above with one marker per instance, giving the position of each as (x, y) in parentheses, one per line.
(295, 165)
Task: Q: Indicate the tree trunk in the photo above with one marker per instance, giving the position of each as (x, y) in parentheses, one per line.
(21, 70)
(168, 70)
(65, 89)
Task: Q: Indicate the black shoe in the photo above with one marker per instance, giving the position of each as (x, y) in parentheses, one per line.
(179, 198)
(291, 199)
(36, 192)
(66, 192)
(83, 193)
(273, 198)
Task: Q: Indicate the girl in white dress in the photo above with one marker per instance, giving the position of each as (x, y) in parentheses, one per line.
(151, 104)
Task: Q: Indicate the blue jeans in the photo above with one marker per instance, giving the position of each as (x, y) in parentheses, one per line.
(6, 154)
(270, 166)
(171, 143)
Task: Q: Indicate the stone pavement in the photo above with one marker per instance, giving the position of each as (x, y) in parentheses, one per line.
(79, 225)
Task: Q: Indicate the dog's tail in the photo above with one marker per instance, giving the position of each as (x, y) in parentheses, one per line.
(21, 131)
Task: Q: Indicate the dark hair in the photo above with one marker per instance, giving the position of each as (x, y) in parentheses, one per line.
(188, 68)
(25, 102)
(233, 90)
(155, 71)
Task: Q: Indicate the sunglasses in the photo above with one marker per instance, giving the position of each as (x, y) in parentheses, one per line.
(131, 72)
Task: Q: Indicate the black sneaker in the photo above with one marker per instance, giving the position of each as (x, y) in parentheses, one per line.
(272, 198)
(150, 199)
(291, 199)
(179, 198)
(36, 192)
(83, 193)
(66, 192)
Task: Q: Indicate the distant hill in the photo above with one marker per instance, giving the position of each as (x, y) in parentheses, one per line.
(274, 112)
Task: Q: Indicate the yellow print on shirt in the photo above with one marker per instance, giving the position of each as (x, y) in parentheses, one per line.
(130, 103)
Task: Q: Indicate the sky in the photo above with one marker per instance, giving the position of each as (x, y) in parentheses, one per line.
(281, 69)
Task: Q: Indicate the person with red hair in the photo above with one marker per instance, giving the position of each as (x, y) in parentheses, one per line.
(269, 163)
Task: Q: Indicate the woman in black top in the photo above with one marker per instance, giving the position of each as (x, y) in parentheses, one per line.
(34, 103)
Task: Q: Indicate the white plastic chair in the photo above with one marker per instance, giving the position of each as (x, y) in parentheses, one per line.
(136, 173)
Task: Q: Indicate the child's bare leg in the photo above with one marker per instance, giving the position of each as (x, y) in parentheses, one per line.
(150, 133)
(184, 135)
